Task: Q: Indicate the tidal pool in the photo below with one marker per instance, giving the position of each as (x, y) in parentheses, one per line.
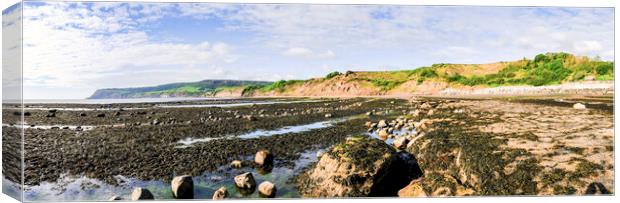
(265, 133)
(74, 188)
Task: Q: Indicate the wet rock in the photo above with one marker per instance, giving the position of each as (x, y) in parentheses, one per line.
(329, 115)
(401, 142)
(369, 113)
(27, 114)
(250, 118)
(155, 122)
(263, 157)
(115, 198)
(52, 111)
(245, 181)
(382, 124)
(141, 194)
(101, 115)
(368, 124)
(267, 189)
(360, 166)
(117, 113)
(183, 187)
(430, 112)
(383, 134)
(426, 105)
(579, 106)
(414, 189)
(220, 194)
(236, 164)
(82, 114)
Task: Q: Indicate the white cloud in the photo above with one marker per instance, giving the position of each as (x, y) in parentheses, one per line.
(298, 52)
(499, 32)
(305, 53)
(67, 46)
(98, 44)
(587, 47)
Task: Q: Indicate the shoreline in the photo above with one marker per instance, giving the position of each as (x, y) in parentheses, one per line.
(590, 88)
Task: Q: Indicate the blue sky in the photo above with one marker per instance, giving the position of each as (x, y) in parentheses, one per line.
(72, 49)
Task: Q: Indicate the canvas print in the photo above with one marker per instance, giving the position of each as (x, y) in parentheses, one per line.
(161, 101)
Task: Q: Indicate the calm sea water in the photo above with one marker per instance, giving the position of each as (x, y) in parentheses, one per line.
(116, 101)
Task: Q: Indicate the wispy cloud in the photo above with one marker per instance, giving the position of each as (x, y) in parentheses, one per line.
(107, 44)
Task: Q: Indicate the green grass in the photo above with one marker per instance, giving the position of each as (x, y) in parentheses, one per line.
(332, 74)
(189, 89)
(386, 85)
(545, 69)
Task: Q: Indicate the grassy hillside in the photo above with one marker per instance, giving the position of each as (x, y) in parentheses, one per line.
(543, 69)
(191, 89)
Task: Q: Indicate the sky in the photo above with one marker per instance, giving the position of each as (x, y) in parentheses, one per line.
(73, 48)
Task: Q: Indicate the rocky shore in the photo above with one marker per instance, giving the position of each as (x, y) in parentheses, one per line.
(385, 147)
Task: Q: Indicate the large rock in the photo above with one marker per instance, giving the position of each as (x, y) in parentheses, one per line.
(579, 106)
(263, 157)
(236, 164)
(401, 142)
(360, 166)
(141, 194)
(183, 187)
(414, 189)
(382, 124)
(220, 194)
(245, 181)
(115, 198)
(383, 134)
(267, 189)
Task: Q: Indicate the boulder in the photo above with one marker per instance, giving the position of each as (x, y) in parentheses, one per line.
(401, 142)
(141, 194)
(220, 194)
(430, 112)
(267, 189)
(383, 134)
(250, 117)
(360, 166)
(329, 115)
(414, 189)
(183, 187)
(382, 124)
(245, 181)
(236, 164)
(115, 198)
(263, 157)
(579, 106)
